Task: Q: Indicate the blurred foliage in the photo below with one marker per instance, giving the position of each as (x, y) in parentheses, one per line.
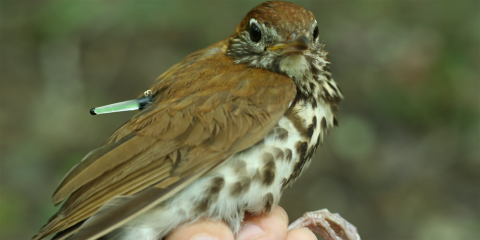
(404, 163)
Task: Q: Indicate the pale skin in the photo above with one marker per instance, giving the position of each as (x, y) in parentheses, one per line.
(263, 227)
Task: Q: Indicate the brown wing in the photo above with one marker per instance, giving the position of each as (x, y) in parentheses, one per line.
(203, 112)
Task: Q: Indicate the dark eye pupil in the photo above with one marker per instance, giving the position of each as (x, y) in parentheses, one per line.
(255, 33)
(315, 33)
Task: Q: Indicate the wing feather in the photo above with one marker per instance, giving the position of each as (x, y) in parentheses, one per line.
(94, 165)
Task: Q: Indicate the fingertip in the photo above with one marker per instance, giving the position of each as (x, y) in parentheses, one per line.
(202, 230)
(251, 231)
(281, 214)
(301, 234)
(265, 227)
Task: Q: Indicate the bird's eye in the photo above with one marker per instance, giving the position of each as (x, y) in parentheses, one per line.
(315, 33)
(255, 33)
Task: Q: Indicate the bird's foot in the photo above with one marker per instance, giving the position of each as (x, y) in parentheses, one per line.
(331, 226)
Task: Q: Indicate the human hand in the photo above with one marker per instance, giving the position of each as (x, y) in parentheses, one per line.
(263, 227)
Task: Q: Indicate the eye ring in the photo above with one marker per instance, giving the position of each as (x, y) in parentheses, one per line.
(255, 33)
(315, 33)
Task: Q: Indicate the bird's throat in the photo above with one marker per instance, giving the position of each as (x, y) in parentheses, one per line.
(295, 66)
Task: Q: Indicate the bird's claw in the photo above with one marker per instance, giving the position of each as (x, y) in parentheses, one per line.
(331, 226)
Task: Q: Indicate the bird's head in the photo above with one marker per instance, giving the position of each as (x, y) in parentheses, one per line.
(281, 37)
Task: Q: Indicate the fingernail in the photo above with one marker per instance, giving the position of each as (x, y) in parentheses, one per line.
(249, 232)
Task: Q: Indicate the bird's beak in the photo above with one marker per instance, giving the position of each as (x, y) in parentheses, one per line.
(300, 44)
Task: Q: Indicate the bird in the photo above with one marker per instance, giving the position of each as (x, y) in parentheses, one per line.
(225, 132)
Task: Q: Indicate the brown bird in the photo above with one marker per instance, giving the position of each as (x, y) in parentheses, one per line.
(227, 130)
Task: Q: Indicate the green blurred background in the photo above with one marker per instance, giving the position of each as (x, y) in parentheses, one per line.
(403, 164)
